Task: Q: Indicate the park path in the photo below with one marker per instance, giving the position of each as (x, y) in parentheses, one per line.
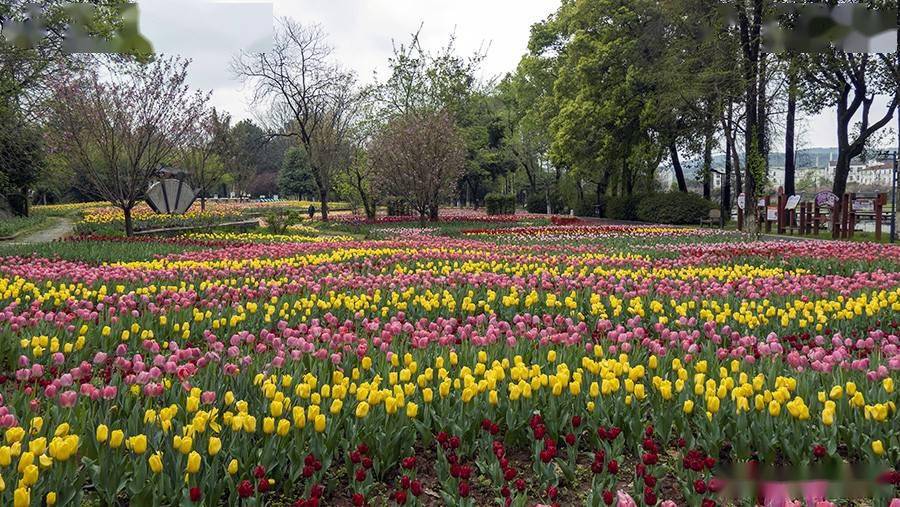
(59, 229)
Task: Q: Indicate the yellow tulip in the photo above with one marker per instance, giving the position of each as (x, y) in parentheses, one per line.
(233, 467)
(22, 497)
(193, 463)
(320, 423)
(51, 498)
(102, 433)
(138, 444)
(412, 410)
(878, 447)
(276, 408)
(116, 438)
(284, 427)
(362, 409)
(215, 445)
(688, 407)
(30, 475)
(156, 462)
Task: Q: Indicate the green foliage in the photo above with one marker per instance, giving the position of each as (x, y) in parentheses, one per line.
(22, 158)
(674, 208)
(279, 220)
(536, 203)
(623, 207)
(97, 251)
(15, 225)
(500, 204)
(295, 177)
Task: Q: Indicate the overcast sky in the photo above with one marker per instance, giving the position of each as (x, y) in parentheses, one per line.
(362, 33)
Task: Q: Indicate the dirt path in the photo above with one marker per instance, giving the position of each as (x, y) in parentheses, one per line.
(59, 228)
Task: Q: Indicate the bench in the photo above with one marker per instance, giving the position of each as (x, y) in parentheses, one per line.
(714, 218)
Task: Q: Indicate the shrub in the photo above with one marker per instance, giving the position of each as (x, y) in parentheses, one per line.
(278, 221)
(623, 207)
(500, 204)
(588, 207)
(674, 208)
(397, 207)
(536, 203)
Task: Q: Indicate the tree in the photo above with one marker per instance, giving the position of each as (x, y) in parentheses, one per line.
(22, 158)
(295, 177)
(39, 39)
(422, 81)
(118, 127)
(361, 174)
(418, 157)
(203, 153)
(850, 82)
(308, 97)
(750, 18)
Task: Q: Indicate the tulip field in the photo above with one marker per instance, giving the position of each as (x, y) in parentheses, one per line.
(504, 363)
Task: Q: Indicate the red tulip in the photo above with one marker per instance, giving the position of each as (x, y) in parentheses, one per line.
(196, 494)
(245, 489)
(608, 497)
(552, 492)
(699, 486)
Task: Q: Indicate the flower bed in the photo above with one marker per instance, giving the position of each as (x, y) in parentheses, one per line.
(634, 368)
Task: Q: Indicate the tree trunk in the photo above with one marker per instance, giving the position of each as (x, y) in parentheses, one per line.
(725, 207)
(628, 177)
(323, 201)
(707, 165)
(750, 26)
(789, 161)
(433, 212)
(129, 226)
(676, 166)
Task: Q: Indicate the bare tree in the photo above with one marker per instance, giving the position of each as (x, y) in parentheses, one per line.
(203, 155)
(419, 157)
(850, 82)
(118, 130)
(309, 98)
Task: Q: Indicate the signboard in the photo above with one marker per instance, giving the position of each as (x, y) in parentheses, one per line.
(826, 199)
(792, 202)
(761, 203)
(170, 196)
(863, 205)
(742, 201)
(772, 213)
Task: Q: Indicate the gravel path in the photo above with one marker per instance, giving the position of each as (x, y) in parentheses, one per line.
(59, 229)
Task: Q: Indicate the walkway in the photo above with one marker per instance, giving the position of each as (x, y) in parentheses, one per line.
(59, 228)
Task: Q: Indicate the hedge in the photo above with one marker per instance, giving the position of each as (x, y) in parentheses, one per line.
(674, 208)
(623, 207)
(500, 204)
